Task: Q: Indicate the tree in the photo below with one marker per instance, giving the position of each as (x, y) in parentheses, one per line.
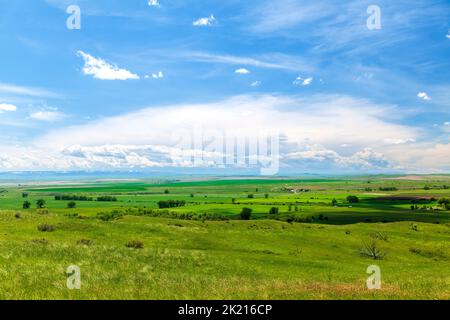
(71, 205)
(166, 191)
(40, 203)
(273, 210)
(334, 202)
(246, 213)
(352, 199)
(250, 196)
(266, 196)
(26, 205)
(24, 195)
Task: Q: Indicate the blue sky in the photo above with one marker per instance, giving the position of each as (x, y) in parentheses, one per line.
(108, 96)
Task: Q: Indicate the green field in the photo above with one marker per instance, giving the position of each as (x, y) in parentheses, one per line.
(310, 249)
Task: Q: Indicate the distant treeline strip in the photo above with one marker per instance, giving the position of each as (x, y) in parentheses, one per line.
(67, 197)
(163, 204)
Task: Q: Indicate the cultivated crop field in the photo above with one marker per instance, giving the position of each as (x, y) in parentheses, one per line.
(227, 238)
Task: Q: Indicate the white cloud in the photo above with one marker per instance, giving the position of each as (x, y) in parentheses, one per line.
(448, 35)
(7, 107)
(268, 61)
(102, 70)
(50, 115)
(313, 130)
(158, 75)
(242, 71)
(447, 123)
(367, 159)
(398, 141)
(153, 3)
(299, 81)
(25, 91)
(203, 22)
(323, 119)
(255, 83)
(424, 96)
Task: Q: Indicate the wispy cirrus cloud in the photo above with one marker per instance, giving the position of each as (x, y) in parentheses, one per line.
(25, 91)
(268, 61)
(102, 70)
(47, 114)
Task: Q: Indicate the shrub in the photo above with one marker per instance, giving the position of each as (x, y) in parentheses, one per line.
(246, 213)
(371, 250)
(352, 199)
(166, 191)
(163, 204)
(108, 216)
(266, 196)
(106, 198)
(17, 215)
(250, 196)
(84, 242)
(273, 210)
(24, 195)
(39, 241)
(334, 202)
(135, 244)
(69, 197)
(387, 189)
(71, 205)
(40, 203)
(380, 236)
(42, 212)
(46, 227)
(26, 205)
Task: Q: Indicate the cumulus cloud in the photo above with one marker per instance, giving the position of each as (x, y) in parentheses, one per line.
(7, 107)
(242, 71)
(156, 76)
(100, 69)
(300, 81)
(153, 3)
(366, 159)
(313, 131)
(324, 119)
(203, 22)
(423, 96)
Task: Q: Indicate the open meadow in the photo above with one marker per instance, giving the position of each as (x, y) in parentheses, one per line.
(227, 238)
